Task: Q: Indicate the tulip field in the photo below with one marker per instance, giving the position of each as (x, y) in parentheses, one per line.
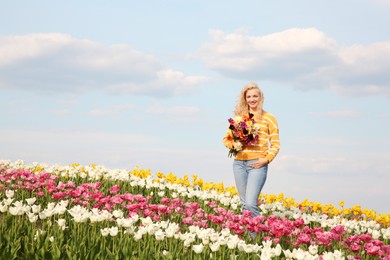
(91, 212)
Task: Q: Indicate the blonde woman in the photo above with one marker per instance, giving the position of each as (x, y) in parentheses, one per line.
(250, 164)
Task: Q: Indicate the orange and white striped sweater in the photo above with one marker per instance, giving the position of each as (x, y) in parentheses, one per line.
(268, 145)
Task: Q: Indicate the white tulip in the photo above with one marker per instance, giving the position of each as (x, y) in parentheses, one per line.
(198, 248)
(129, 230)
(31, 201)
(313, 249)
(375, 234)
(159, 235)
(277, 250)
(137, 236)
(3, 208)
(9, 193)
(386, 233)
(17, 208)
(104, 232)
(214, 246)
(32, 217)
(62, 223)
(113, 231)
(214, 237)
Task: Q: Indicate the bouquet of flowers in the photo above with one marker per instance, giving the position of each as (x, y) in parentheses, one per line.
(242, 132)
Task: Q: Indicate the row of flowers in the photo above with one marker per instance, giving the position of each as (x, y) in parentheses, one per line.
(196, 240)
(189, 213)
(197, 188)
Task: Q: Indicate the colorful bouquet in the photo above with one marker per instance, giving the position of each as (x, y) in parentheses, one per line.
(242, 132)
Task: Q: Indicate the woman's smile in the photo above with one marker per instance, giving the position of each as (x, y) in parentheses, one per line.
(252, 99)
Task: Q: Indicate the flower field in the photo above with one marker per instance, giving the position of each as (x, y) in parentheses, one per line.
(90, 212)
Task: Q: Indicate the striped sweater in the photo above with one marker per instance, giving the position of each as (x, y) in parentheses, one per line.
(268, 145)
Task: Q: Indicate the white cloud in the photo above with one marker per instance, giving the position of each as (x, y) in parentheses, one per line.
(175, 114)
(111, 110)
(282, 54)
(68, 101)
(183, 111)
(342, 113)
(61, 112)
(173, 110)
(53, 62)
(384, 3)
(305, 58)
(166, 82)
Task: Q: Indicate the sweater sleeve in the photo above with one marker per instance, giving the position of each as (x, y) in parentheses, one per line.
(274, 142)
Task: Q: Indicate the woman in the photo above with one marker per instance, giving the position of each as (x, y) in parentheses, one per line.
(251, 162)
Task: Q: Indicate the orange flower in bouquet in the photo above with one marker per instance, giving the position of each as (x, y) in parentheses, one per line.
(242, 132)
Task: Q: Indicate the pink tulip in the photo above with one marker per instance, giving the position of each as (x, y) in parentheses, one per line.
(212, 204)
(188, 212)
(324, 238)
(354, 247)
(162, 209)
(165, 200)
(117, 199)
(133, 207)
(386, 248)
(114, 189)
(365, 237)
(371, 249)
(303, 239)
(58, 195)
(338, 230)
(156, 217)
(188, 221)
(147, 212)
(299, 222)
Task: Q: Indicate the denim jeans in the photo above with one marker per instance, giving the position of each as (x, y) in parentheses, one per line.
(249, 182)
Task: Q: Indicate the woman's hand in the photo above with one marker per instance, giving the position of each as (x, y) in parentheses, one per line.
(260, 163)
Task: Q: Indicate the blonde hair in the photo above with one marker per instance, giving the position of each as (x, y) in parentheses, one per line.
(242, 107)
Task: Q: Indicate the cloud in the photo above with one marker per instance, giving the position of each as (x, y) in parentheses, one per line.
(58, 63)
(175, 114)
(342, 113)
(382, 3)
(303, 57)
(68, 101)
(111, 110)
(173, 110)
(61, 112)
(174, 81)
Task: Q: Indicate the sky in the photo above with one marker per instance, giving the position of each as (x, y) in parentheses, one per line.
(152, 84)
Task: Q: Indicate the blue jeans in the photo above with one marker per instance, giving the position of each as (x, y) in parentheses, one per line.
(249, 182)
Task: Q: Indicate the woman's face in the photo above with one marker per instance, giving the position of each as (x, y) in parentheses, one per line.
(252, 98)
